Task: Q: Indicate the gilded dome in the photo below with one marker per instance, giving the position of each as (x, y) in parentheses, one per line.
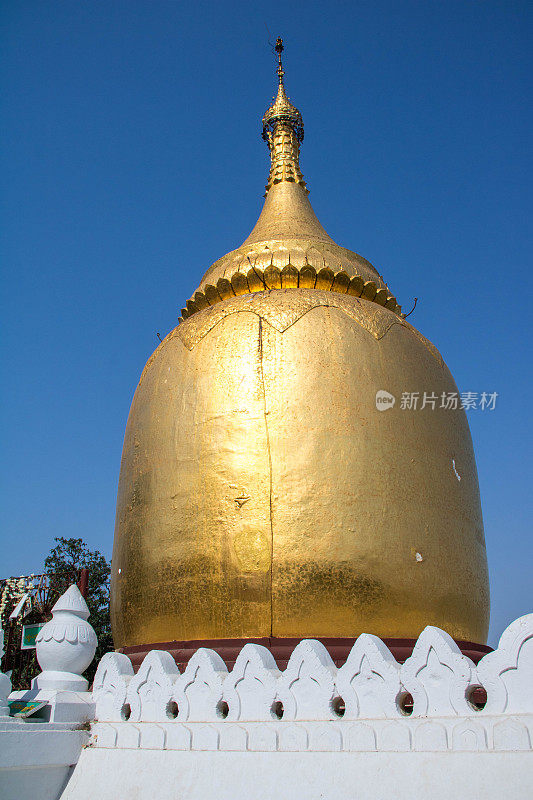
(261, 491)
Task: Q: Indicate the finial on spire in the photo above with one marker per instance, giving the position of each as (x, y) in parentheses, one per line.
(279, 50)
(282, 110)
(283, 131)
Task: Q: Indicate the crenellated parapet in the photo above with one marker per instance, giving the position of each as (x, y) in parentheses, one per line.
(432, 702)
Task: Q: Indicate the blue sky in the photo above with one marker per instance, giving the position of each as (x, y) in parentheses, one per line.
(131, 160)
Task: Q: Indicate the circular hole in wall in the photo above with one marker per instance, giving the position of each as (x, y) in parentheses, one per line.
(405, 703)
(277, 710)
(172, 709)
(476, 697)
(125, 712)
(222, 709)
(338, 707)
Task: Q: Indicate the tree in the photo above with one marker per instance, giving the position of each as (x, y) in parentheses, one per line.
(63, 565)
(62, 568)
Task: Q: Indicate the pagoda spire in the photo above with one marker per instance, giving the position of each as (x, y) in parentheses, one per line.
(283, 131)
(287, 212)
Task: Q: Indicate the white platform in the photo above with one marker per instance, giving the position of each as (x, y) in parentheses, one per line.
(370, 729)
(345, 733)
(121, 774)
(37, 759)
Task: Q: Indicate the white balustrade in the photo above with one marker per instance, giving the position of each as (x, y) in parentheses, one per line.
(314, 706)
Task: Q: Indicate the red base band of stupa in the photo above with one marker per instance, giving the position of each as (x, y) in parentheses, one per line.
(281, 649)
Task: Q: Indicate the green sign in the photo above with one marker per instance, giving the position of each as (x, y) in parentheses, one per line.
(29, 635)
(24, 708)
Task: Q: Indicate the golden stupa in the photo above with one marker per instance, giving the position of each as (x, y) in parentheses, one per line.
(262, 493)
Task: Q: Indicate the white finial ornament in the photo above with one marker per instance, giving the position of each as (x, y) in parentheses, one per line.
(5, 682)
(66, 645)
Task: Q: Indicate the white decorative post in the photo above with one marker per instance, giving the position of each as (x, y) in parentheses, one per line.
(5, 683)
(66, 645)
